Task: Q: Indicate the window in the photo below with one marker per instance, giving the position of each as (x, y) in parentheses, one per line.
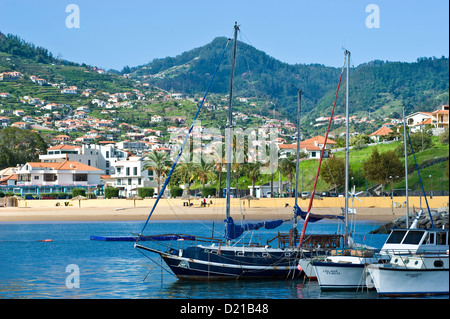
(107, 163)
(49, 177)
(80, 177)
(441, 238)
(89, 162)
(396, 236)
(313, 154)
(128, 171)
(135, 171)
(413, 237)
(36, 177)
(129, 181)
(139, 181)
(107, 154)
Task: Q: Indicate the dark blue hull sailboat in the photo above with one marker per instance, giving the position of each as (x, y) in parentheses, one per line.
(199, 258)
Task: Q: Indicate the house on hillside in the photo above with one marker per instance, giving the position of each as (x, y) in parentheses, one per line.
(380, 133)
(313, 146)
(440, 118)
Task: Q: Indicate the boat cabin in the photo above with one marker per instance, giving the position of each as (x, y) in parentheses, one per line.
(416, 241)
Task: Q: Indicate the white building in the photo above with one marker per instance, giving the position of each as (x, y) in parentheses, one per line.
(100, 156)
(67, 173)
(130, 175)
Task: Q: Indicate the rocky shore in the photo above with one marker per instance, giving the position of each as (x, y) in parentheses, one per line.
(440, 220)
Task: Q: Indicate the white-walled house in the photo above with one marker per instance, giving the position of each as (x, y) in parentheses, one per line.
(100, 156)
(67, 173)
(130, 175)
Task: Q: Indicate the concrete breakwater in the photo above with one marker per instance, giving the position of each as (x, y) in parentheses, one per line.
(440, 220)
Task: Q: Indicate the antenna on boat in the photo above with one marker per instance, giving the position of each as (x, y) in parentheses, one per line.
(347, 54)
(298, 156)
(406, 166)
(228, 132)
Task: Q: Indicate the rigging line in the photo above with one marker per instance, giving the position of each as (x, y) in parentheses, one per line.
(166, 182)
(420, 179)
(320, 162)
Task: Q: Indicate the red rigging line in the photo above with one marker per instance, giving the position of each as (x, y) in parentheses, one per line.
(320, 163)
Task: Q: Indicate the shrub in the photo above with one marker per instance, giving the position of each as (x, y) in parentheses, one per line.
(78, 191)
(146, 192)
(176, 191)
(209, 190)
(111, 192)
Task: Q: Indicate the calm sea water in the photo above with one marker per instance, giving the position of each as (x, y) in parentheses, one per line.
(33, 269)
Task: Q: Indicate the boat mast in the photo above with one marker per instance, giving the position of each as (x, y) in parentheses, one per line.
(347, 53)
(406, 168)
(228, 135)
(298, 149)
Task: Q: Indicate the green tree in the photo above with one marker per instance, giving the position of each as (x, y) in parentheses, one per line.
(287, 168)
(333, 172)
(158, 162)
(253, 172)
(186, 173)
(18, 146)
(204, 171)
(383, 168)
(420, 141)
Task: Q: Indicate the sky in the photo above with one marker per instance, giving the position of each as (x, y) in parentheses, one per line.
(114, 33)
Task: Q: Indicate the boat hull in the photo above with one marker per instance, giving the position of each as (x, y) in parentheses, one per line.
(399, 281)
(306, 266)
(343, 275)
(207, 263)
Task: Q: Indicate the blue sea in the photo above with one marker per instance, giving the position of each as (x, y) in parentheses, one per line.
(72, 266)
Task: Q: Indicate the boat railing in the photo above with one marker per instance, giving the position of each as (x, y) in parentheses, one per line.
(311, 242)
(177, 241)
(405, 252)
(428, 260)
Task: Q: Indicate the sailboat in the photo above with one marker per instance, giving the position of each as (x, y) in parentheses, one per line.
(345, 267)
(192, 257)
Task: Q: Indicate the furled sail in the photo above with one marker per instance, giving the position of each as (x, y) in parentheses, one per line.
(233, 231)
(314, 217)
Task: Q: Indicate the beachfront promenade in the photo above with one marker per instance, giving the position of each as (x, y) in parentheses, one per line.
(370, 208)
(367, 202)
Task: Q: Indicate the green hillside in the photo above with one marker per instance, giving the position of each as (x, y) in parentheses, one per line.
(378, 87)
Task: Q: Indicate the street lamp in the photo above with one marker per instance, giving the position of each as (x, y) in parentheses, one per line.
(431, 186)
(392, 187)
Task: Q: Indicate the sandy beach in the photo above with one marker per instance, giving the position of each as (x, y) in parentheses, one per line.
(374, 208)
(22, 214)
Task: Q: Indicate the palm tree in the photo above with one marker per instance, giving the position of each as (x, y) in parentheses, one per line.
(158, 162)
(287, 168)
(186, 172)
(219, 161)
(204, 171)
(253, 172)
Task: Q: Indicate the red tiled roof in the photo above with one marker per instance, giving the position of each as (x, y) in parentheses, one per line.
(382, 131)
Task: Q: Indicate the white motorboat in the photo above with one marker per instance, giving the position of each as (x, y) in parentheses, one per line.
(418, 265)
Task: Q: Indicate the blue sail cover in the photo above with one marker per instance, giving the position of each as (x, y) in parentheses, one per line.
(233, 231)
(314, 217)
